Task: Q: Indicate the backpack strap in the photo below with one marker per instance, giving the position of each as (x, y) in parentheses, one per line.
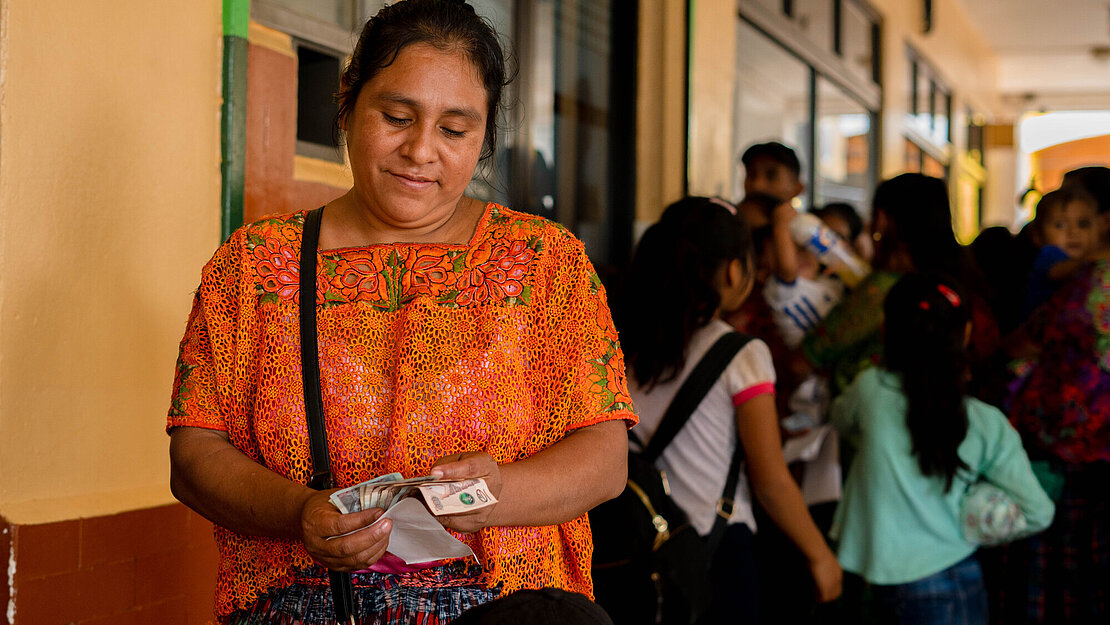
(693, 390)
(686, 400)
(341, 587)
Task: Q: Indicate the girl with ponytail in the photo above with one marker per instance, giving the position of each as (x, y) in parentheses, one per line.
(689, 269)
(921, 442)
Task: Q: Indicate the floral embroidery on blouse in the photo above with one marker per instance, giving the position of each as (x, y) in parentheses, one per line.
(390, 276)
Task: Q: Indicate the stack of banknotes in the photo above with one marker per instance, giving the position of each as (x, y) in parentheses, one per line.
(442, 496)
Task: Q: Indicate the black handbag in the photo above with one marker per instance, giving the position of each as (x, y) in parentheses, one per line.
(649, 565)
(341, 587)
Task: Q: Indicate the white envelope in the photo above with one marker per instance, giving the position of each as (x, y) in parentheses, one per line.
(418, 537)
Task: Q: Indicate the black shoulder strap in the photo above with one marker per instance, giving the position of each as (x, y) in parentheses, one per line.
(686, 400)
(310, 362)
(693, 390)
(341, 586)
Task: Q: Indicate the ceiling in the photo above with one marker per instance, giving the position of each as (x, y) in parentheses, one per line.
(1052, 54)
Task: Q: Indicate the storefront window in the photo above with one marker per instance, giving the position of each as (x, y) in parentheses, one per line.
(773, 99)
(844, 168)
(563, 133)
(928, 124)
(815, 102)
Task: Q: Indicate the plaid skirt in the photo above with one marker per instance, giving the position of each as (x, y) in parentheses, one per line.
(429, 597)
(1061, 575)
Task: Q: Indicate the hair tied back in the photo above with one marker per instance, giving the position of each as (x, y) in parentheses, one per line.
(949, 295)
(727, 205)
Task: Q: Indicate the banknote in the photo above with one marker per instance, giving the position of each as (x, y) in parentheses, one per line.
(350, 499)
(457, 497)
(442, 496)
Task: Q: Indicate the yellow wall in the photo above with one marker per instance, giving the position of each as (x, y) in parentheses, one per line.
(713, 81)
(109, 206)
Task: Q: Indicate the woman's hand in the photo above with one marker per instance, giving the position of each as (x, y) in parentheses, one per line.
(464, 466)
(827, 577)
(342, 542)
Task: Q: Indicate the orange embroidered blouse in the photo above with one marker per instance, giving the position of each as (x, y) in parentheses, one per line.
(502, 345)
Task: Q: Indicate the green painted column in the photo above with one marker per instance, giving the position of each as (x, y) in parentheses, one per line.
(233, 115)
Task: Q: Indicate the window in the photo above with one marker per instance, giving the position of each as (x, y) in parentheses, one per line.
(928, 123)
(570, 131)
(317, 78)
(323, 34)
(845, 168)
(772, 102)
(807, 76)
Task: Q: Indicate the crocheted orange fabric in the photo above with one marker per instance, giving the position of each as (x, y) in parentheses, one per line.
(502, 345)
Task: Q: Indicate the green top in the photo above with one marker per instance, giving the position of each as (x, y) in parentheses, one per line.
(895, 525)
(848, 340)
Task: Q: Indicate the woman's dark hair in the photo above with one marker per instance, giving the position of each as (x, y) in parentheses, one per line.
(925, 333)
(442, 24)
(671, 288)
(918, 207)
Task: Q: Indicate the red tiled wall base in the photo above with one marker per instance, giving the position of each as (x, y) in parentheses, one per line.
(145, 567)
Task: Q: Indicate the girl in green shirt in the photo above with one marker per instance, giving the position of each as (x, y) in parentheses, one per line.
(921, 443)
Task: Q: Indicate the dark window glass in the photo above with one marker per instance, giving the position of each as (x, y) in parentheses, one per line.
(317, 81)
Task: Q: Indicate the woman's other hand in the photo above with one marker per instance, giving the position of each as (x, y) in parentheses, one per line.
(827, 577)
(465, 466)
(342, 542)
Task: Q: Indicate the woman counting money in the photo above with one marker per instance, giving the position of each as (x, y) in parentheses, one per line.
(456, 339)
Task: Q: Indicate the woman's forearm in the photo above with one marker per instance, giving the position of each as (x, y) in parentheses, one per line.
(566, 480)
(225, 486)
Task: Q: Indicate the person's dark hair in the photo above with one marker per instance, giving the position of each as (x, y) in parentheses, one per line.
(844, 211)
(924, 336)
(546, 606)
(1096, 180)
(671, 287)
(918, 207)
(1004, 263)
(442, 24)
(775, 151)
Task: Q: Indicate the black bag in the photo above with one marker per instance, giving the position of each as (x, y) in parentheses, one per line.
(649, 565)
